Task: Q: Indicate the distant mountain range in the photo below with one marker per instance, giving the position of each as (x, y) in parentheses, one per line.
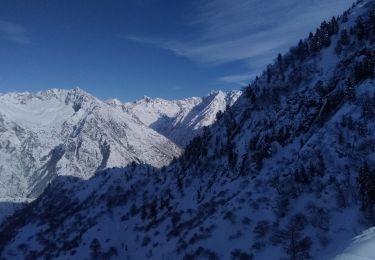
(287, 172)
(180, 120)
(70, 132)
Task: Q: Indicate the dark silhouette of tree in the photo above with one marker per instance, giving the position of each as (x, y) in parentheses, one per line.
(360, 29)
(366, 185)
(350, 90)
(95, 248)
(344, 38)
(298, 247)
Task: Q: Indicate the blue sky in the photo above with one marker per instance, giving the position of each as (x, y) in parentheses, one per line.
(159, 48)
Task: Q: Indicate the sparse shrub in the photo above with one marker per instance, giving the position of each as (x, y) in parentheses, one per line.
(201, 253)
(146, 240)
(282, 206)
(95, 248)
(240, 255)
(262, 228)
(299, 222)
(246, 221)
(278, 237)
(258, 246)
(299, 249)
(323, 240)
(230, 216)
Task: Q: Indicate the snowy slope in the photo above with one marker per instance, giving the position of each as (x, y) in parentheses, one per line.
(286, 173)
(69, 132)
(179, 120)
(362, 247)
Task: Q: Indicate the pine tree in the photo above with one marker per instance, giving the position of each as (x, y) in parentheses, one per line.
(297, 247)
(371, 22)
(360, 29)
(269, 74)
(180, 184)
(280, 62)
(359, 73)
(368, 108)
(366, 189)
(95, 248)
(334, 26)
(344, 39)
(325, 34)
(350, 90)
(311, 35)
(316, 42)
(153, 209)
(321, 163)
(338, 48)
(368, 65)
(345, 17)
(301, 51)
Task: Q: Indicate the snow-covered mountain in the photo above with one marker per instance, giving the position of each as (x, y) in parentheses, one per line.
(179, 120)
(286, 173)
(69, 132)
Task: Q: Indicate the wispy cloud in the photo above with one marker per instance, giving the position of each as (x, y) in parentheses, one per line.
(13, 32)
(217, 52)
(239, 79)
(249, 30)
(240, 29)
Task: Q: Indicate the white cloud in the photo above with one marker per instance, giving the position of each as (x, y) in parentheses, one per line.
(13, 32)
(247, 30)
(239, 79)
(230, 30)
(218, 52)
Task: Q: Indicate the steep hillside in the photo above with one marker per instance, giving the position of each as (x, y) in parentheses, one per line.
(69, 132)
(180, 120)
(286, 173)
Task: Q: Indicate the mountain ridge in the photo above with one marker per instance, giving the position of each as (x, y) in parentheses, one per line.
(286, 173)
(180, 120)
(69, 131)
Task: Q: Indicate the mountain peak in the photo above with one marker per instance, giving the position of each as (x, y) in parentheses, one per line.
(79, 92)
(114, 102)
(181, 120)
(215, 92)
(68, 131)
(147, 98)
(287, 173)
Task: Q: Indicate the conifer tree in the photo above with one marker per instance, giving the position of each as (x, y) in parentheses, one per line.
(366, 185)
(350, 90)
